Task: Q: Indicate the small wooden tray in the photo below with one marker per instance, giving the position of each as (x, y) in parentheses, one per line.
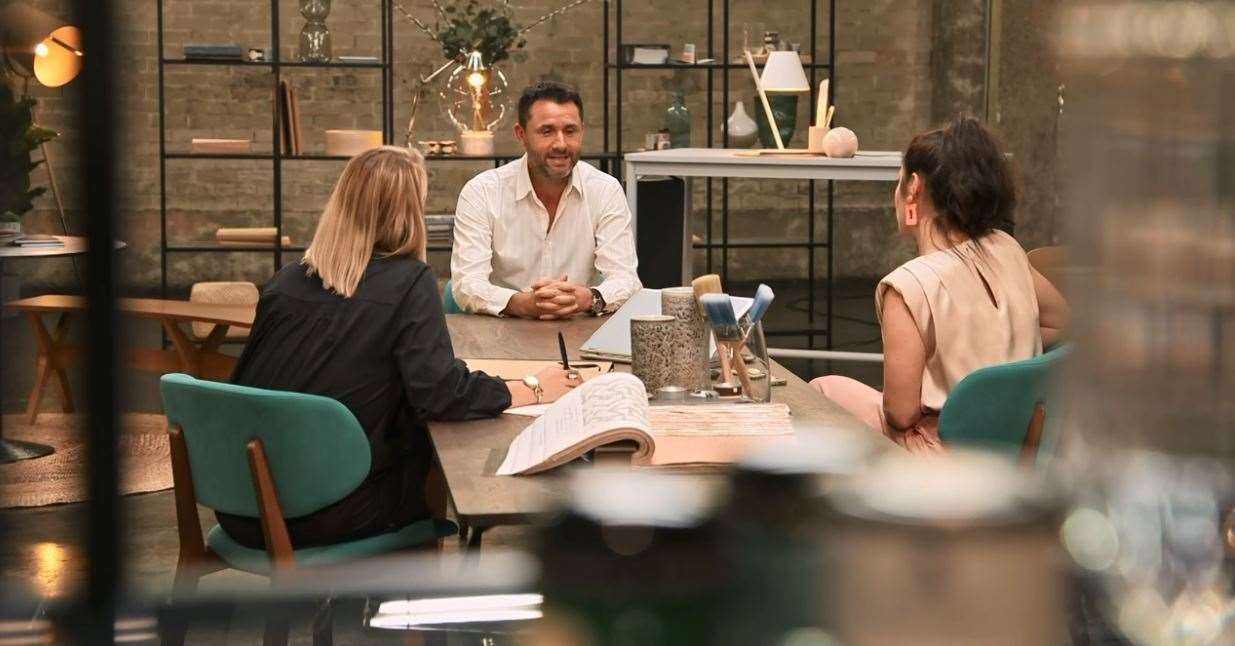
(761, 152)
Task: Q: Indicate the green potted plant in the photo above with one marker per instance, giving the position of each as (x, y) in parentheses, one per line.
(19, 136)
(470, 27)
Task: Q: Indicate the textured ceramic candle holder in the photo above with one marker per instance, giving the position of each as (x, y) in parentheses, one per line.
(689, 354)
(651, 349)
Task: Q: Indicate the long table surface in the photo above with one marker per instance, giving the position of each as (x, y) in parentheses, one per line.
(470, 452)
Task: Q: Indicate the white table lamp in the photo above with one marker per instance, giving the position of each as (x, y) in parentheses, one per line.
(783, 73)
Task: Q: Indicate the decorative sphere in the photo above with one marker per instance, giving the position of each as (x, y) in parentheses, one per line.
(840, 142)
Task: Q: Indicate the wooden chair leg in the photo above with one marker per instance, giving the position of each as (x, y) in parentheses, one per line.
(1033, 436)
(173, 632)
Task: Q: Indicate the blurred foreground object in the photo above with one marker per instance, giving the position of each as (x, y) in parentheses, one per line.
(1150, 141)
(960, 549)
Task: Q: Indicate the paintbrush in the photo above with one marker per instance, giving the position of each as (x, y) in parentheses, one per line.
(763, 300)
(706, 284)
(719, 310)
(710, 284)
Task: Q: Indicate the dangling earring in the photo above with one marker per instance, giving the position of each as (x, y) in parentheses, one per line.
(911, 214)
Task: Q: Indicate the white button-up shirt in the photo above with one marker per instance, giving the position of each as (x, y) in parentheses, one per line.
(503, 242)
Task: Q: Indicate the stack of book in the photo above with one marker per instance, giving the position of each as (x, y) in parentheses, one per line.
(38, 241)
(441, 229)
(214, 52)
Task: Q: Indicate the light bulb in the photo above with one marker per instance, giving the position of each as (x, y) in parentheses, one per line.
(476, 80)
(41, 50)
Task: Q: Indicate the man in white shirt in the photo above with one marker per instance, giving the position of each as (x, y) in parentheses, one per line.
(532, 236)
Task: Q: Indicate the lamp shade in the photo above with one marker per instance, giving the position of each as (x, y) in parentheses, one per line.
(39, 44)
(783, 73)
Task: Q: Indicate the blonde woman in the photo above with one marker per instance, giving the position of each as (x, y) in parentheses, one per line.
(360, 320)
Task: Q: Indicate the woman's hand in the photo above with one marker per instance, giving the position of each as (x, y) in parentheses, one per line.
(554, 383)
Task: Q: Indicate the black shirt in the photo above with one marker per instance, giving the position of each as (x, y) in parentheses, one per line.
(384, 353)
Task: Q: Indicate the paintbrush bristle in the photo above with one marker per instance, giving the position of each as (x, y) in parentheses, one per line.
(706, 284)
(719, 310)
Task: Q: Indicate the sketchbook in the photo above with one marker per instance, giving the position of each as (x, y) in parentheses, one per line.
(614, 408)
(611, 341)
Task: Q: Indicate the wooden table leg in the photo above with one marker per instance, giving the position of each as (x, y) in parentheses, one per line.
(184, 347)
(54, 358)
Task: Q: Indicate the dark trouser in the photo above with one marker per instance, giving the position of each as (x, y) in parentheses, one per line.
(383, 503)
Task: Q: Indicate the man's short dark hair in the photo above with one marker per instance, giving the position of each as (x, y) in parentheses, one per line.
(550, 91)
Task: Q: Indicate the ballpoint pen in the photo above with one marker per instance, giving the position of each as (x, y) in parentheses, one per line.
(561, 344)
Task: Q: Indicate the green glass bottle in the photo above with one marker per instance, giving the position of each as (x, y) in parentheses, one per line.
(677, 121)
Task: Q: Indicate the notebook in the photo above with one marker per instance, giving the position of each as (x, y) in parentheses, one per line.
(611, 341)
(613, 408)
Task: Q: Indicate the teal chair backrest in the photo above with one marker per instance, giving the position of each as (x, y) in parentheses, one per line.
(448, 300)
(318, 452)
(992, 406)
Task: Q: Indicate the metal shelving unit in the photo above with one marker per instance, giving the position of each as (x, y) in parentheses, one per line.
(613, 72)
(276, 157)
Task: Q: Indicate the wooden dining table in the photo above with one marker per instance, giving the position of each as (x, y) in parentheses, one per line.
(470, 452)
(199, 357)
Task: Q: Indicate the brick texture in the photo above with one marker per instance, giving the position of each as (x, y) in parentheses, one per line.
(884, 92)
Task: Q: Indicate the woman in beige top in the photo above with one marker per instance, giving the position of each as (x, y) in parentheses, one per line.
(969, 299)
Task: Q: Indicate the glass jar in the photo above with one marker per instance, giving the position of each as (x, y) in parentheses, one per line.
(315, 36)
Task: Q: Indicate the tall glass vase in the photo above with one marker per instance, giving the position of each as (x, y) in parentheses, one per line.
(315, 36)
(677, 122)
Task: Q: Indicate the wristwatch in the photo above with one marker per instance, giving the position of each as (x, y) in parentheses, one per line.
(533, 383)
(598, 303)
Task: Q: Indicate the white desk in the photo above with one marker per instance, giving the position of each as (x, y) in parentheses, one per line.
(866, 166)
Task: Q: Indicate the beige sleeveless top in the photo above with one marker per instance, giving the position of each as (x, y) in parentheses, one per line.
(963, 326)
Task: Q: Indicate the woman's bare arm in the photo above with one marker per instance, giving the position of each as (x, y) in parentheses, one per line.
(1053, 311)
(904, 358)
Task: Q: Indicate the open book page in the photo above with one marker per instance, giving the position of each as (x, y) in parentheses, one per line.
(606, 409)
(715, 433)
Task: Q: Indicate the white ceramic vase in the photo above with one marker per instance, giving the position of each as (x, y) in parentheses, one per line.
(743, 131)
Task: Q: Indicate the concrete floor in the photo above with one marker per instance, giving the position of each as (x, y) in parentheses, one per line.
(42, 547)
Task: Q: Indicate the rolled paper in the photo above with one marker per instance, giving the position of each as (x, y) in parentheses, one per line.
(688, 366)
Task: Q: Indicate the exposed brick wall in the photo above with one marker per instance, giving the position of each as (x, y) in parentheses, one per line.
(884, 93)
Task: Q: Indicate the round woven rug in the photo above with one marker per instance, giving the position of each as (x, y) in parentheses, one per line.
(145, 459)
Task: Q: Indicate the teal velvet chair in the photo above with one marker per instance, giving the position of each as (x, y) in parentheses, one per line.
(448, 300)
(269, 455)
(1002, 407)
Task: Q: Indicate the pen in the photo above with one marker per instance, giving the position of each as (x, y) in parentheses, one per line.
(561, 344)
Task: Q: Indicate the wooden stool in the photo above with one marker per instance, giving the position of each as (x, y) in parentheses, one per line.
(223, 293)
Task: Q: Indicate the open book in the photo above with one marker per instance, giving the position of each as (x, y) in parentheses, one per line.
(614, 408)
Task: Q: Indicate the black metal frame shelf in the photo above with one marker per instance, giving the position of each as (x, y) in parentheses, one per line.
(700, 66)
(277, 69)
(269, 64)
(613, 69)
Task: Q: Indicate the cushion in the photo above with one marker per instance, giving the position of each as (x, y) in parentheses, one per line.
(223, 293)
(258, 561)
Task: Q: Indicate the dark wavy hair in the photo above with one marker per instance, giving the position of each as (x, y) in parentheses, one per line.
(967, 176)
(547, 90)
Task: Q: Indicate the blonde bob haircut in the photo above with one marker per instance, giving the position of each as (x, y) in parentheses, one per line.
(376, 210)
